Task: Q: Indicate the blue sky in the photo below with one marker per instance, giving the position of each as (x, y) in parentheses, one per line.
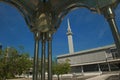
(90, 30)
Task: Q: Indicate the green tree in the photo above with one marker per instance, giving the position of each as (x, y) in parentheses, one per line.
(12, 62)
(1, 65)
(23, 63)
(61, 68)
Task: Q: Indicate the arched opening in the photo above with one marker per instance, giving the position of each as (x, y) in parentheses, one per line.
(90, 30)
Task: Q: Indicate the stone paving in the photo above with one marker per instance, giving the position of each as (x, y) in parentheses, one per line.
(108, 76)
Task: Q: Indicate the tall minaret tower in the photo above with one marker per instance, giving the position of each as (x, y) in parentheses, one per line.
(70, 40)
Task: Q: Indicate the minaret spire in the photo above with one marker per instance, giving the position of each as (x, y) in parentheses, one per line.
(70, 40)
(69, 29)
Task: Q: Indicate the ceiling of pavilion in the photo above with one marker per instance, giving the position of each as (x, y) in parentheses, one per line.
(59, 8)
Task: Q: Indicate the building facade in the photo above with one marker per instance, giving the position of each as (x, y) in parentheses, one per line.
(97, 59)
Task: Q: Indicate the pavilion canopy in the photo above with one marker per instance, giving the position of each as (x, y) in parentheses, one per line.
(54, 9)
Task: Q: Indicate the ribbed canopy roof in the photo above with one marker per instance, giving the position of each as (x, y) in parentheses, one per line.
(54, 10)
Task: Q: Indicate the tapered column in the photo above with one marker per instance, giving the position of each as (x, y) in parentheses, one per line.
(43, 56)
(110, 16)
(99, 68)
(49, 56)
(82, 70)
(36, 51)
(109, 68)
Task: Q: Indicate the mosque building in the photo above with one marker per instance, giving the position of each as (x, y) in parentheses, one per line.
(99, 59)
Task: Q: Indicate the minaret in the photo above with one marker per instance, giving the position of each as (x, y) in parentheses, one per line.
(70, 40)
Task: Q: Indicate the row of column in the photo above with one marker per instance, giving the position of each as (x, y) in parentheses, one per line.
(98, 67)
(44, 38)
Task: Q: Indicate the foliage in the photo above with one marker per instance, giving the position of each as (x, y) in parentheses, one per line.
(61, 68)
(12, 62)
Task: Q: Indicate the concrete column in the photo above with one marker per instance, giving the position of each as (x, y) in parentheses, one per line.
(49, 35)
(109, 68)
(36, 51)
(110, 16)
(43, 55)
(99, 68)
(82, 70)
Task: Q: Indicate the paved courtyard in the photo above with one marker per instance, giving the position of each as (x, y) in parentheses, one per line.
(104, 76)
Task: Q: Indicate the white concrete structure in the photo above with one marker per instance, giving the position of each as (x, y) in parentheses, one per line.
(98, 59)
(70, 40)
